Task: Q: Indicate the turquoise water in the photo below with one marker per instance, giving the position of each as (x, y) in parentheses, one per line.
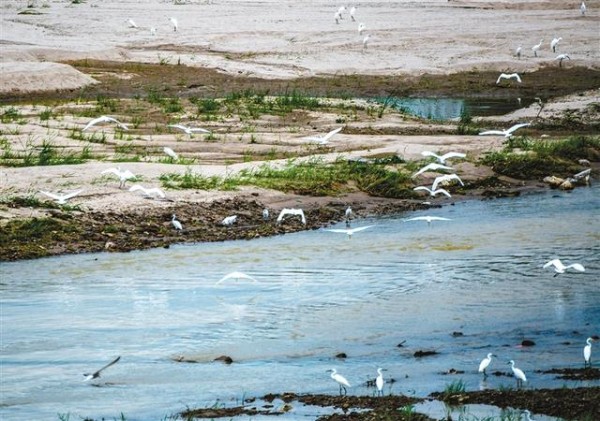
(318, 294)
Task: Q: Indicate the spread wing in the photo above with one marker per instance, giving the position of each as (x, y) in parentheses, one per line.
(452, 155)
(442, 191)
(236, 275)
(331, 133)
(72, 194)
(198, 130)
(93, 122)
(517, 127)
(492, 132)
(51, 195)
(555, 262)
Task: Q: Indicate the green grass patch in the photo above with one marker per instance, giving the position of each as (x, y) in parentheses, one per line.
(44, 154)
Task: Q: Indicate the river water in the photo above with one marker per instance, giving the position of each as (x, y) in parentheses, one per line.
(318, 294)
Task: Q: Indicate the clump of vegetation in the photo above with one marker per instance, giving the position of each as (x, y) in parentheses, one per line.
(44, 154)
(525, 158)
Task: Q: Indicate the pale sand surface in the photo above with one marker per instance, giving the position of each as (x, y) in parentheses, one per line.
(288, 39)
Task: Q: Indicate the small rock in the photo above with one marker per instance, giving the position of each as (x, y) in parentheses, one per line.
(527, 342)
(341, 355)
(457, 334)
(225, 359)
(421, 353)
(566, 185)
(553, 181)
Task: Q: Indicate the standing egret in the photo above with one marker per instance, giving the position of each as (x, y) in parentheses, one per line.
(428, 219)
(341, 10)
(174, 23)
(361, 28)
(508, 76)
(536, 47)
(123, 175)
(506, 133)
(554, 43)
(582, 9)
(562, 57)
(349, 231)
(188, 130)
(444, 180)
(230, 220)
(104, 119)
(432, 192)
(131, 23)
(559, 267)
(352, 13)
(528, 415)
(96, 374)
(518, 373)
(323, 140)
(265, 214)
(61, 199)
(348, 213)
(365, 41)
(153, 31)
(485, 364)
(518, 51)
(337, 17)
(379, 382)
(291, 211)
(587, 353)
(176, 224)
(236, 275)
(431, 167)
(341, 380)
(443, 158)
(170, 152)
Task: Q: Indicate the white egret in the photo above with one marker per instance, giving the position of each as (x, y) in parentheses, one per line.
(265, 214)
(323, 140)
(337, 17)
(528, 415)
(506, 133)
(432, 192)
(554, 43)
(349, 231)
(518, 51)
(104, 119)
(131, 23)
(508, 76)
(236, 275)
(341, 10)
(427, 218)
(230, 220)
(123, 175)
(61, 199)
(352, 13)
(485, 364)
(188, 130)
(562, 57)
(587, 353)
(170, 152)
(153, 31)
(518, 373)
(341, 380)
(365, 41)
(361, 28)
(151, 192)
(536, 47)
(444, 180)
(176, 224)
(432, 167)
(559, 267)
(96, 374)
(443, 158)
(290, 211)
(582, 9)
(175, 24)
(348, 212)
(379, 382)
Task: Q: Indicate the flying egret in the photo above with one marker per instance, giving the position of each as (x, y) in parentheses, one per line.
(536, 47)
(341, 380)
(432, 167)
(443, 158)
(176, 224)
(506, 133)
(528, 415)
(445, 179)
(582, 9)
(131, 23)
(587, 353)
(379, 382)
(104, 119)
(485, 363)
(188, 130)
(61, 199)
(352, 13)
(562, 57)
(265, 214)
(323, 140)
(123, 175)
(518, 51)
(554, 43)
(174, 23)
(170, 152)
(96, 374)
(230, 220)
(518, 373)
(349, 231)
(361, 28)
(151, 192)
(428, 219)
(236, 275)
(432, 192)
(559, 267)
(290, 211)
(508, 76)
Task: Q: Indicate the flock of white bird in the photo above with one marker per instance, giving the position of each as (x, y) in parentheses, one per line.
(361, 28)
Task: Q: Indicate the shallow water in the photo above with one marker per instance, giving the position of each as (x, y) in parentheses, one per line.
(318, 294)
